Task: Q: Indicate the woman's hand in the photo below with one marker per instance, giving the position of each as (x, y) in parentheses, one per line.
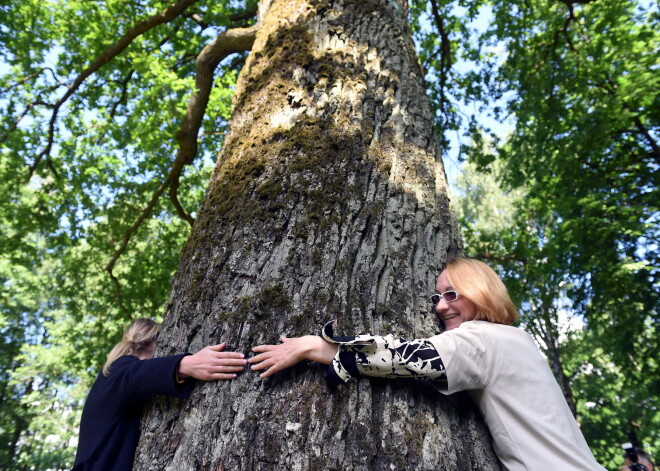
(291, 351)
(211, 363)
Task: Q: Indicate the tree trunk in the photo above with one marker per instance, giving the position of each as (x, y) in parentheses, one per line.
(553, 353)
(328, 201)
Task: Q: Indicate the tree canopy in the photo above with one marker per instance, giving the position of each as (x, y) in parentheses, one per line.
(112, 113)
(579, 177)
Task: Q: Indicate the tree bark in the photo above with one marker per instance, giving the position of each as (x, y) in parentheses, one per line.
(328, 200)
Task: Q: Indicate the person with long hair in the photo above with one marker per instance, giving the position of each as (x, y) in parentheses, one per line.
(110, 423)
(479, 352)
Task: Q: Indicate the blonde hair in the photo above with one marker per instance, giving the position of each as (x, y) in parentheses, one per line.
(480, 284)
(138, 336)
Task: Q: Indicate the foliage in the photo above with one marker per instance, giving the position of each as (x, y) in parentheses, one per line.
(445, 32)
(570, 216)
(75, 175)
(585, 144)
(567, 210)
(501, 227)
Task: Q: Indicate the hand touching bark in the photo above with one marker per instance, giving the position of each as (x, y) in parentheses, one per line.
(212, 363)
(291, 351)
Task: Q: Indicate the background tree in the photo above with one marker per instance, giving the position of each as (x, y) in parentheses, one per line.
(578, 179)
(585, 148)
(506, 228)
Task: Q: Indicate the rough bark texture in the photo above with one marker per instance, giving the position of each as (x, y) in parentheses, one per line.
(328, 201)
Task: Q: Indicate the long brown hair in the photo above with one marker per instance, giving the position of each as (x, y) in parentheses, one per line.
(138, 336)
(480, 284)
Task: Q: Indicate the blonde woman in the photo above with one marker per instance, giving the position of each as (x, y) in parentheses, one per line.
(110, 423)
(480, 352)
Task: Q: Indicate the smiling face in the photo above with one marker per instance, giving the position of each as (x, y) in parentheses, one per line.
(455, 313)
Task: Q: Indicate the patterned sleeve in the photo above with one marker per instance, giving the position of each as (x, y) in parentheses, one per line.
(388, 357)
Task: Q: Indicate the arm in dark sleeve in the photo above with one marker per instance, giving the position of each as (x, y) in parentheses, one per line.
(150, 377)
(388, 357)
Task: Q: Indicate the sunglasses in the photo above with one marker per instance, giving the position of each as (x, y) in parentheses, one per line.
(449, 297)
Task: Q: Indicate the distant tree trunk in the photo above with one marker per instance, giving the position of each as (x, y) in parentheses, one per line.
(553, 352)
(328, 200)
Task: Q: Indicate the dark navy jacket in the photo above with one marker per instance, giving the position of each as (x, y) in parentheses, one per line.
(110, 424)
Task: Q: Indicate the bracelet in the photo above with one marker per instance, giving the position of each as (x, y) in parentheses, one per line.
(176, 376)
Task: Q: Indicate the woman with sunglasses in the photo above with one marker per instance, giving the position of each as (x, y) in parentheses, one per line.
(480, 352)
(110, 423)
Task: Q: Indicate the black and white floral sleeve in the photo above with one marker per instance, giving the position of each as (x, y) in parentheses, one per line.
(388, 357)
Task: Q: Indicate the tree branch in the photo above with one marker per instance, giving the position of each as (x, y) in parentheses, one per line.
(131, 230)
(124, 91)
(106, 56)
(245, 15)
(649, 138)
(501, 258)
(118, 294)
(611, 88)
(445, 53)
(113, 110)
(571, 18)
(571, 2)
(13, 127)
(228, 42)
(197, 19)
(174, 198)
(30, 77)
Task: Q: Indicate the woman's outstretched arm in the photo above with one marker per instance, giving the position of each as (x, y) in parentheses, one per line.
(290, 352)
(362, 355)
(211, 363)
